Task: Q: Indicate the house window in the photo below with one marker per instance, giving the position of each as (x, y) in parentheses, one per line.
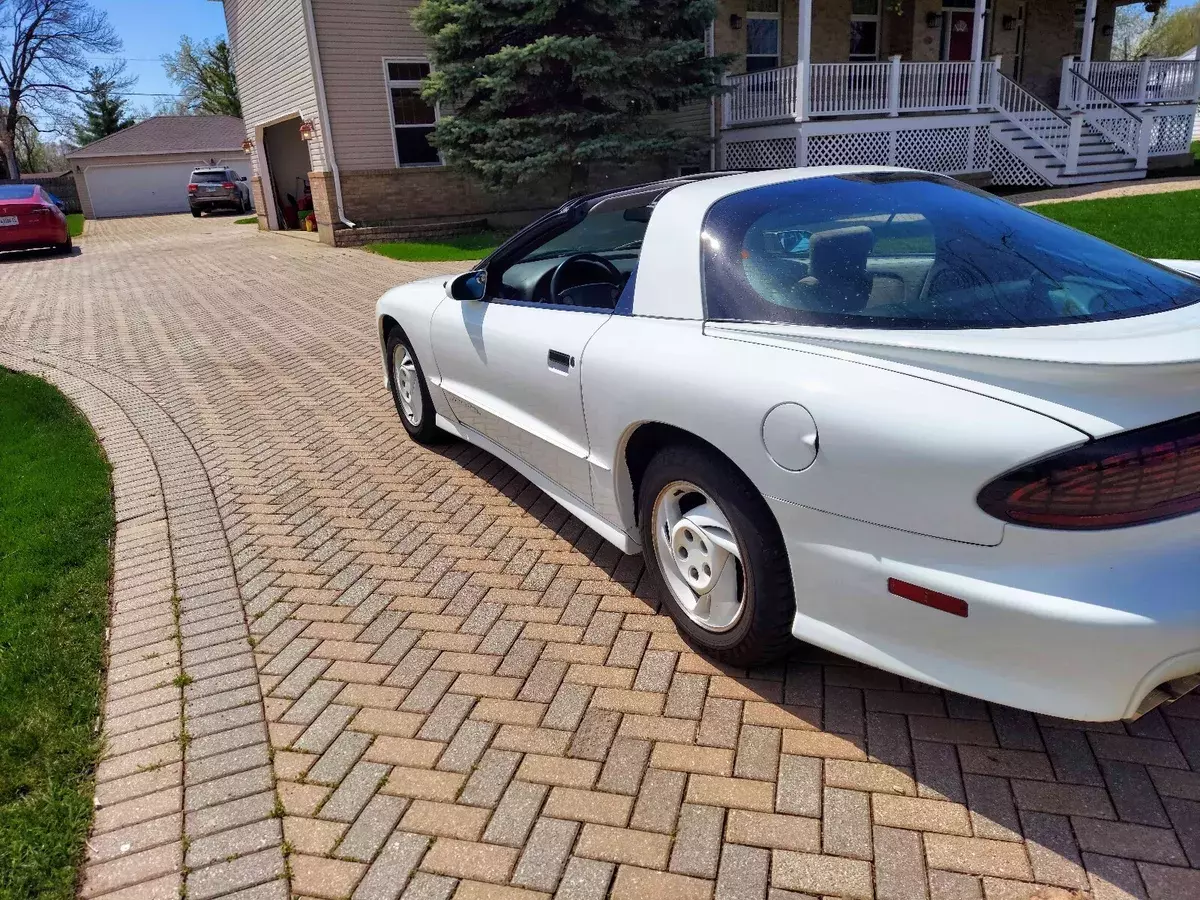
(413, 117)
(762, 35)
(864, 30)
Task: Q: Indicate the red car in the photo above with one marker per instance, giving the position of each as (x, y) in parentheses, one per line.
(30, 217)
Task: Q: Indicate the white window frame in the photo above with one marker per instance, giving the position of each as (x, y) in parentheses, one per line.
(769, 16)
(388, 84)
(877, 18)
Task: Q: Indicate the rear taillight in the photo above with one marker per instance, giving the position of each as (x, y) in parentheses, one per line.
(228, 185)
(192, 188)
(1126, 479)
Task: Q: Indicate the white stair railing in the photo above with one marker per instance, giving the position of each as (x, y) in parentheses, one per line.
(1035, 119)
(1123, 128)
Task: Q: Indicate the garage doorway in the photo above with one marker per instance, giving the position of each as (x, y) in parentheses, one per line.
(288, 165)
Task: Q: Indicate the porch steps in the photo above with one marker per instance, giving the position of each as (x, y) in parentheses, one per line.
(1099, 159)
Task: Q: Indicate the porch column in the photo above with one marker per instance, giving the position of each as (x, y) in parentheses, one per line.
(1089, 34)
(977, 52)
(803, 57)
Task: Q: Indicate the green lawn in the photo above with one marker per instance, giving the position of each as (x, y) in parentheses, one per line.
(75, 224)
(251, 220)
(464, 247)
(56, 519)
(1155, 225)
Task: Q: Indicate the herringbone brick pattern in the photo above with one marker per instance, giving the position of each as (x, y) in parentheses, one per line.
(465, 692)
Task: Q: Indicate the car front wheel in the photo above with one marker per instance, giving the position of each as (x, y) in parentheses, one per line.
(716, 556)
(409, 391)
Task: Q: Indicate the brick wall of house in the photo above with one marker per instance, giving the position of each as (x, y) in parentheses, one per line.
(431, 194)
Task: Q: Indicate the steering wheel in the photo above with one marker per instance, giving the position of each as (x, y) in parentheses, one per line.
(612, 272)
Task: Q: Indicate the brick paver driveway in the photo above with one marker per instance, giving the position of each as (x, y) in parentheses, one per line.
(465, 691)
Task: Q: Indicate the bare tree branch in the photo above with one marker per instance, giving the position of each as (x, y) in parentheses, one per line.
(44, 49)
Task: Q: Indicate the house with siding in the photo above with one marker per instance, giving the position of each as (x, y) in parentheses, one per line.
(995, 91)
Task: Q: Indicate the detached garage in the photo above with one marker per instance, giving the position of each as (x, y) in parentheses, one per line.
(144, 169)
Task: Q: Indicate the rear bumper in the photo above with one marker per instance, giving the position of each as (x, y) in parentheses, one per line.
(1081, 626)
(24, 238)
(214, 202)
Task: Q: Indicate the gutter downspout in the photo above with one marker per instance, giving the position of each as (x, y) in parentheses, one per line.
(314, 58)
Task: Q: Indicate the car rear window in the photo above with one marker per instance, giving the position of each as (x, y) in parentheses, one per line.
(902, 250)
(16, 191)
(208, 177)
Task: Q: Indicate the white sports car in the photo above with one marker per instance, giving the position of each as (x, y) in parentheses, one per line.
(877, 410)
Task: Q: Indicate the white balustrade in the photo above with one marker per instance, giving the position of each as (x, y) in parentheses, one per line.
(761, 96)
(1146, 81)
(856, 89)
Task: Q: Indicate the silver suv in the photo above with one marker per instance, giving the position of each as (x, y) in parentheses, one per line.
(217, 188)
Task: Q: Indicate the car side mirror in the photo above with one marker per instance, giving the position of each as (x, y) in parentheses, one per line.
(242, 178)
(469, 286)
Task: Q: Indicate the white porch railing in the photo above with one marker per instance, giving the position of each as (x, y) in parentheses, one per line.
(1123, 128)
(1032, 116)
(857, 89)
(1144, 81)
(761, 96)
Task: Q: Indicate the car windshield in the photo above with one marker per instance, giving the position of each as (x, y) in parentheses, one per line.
(910, 251)
(16, 191)
(208, 177)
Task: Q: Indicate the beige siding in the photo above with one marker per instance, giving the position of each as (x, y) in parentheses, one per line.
(275, 78)
(354, 37)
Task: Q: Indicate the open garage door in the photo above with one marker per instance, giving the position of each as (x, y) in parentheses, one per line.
(143, 189)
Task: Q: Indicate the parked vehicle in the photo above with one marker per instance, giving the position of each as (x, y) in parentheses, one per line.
(217, 188)
(32, 217)
(875, 409)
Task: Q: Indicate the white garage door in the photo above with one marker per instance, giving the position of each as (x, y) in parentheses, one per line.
(142, 190)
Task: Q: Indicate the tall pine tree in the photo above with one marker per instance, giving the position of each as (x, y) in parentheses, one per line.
(547, 86)
(103, 108)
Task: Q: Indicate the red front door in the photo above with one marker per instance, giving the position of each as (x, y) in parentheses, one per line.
(960, 25)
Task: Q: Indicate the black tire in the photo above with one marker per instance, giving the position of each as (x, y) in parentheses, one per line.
(195, 213)
(426, 432)
(764, 630)
(65, 249)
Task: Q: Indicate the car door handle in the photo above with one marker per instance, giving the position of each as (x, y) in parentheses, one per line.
(559, 361)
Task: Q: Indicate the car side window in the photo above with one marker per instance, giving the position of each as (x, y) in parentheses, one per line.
(584, 264)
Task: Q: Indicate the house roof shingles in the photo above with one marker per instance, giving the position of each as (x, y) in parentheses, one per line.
(169, 134)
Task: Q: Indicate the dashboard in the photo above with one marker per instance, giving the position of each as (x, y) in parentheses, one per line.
(530, 281)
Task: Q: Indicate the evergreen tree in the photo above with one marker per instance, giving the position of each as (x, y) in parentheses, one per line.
(542, 86)
(103, 108)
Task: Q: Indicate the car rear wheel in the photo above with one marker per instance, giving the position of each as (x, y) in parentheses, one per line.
(409, 391)
(195, 213)
(716, 556)
(65, 248)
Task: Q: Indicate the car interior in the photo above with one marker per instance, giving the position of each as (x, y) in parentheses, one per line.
(892, 267)
(583, 263)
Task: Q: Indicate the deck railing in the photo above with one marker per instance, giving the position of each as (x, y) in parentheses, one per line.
(1123, 128)
(1144, 81)
(1033, 117)
(857, 89)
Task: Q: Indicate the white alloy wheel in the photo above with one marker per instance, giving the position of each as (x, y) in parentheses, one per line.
(408, 385)
(698, 556)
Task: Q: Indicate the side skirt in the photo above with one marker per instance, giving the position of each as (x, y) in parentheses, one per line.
(568, 501)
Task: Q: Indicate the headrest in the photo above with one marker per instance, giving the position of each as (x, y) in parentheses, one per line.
(840, 253)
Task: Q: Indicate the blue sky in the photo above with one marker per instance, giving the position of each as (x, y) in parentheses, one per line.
(151, 28)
